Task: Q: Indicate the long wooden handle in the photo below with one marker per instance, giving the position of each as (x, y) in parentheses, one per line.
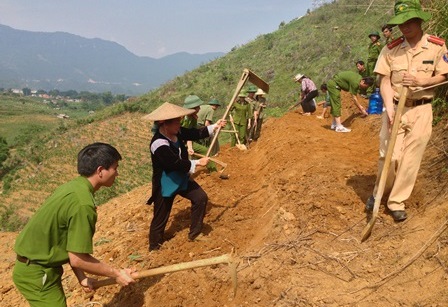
(428, 87)
(389, 152)
(240, 85)
(226, 258)
(234, 129)
(223, 164)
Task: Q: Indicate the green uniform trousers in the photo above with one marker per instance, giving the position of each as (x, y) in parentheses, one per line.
(241, 130)
(335, 98)
(41, 286)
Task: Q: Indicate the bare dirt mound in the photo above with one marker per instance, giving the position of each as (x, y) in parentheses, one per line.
(293, 212)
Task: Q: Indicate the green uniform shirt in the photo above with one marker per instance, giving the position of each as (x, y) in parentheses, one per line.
(241, 113)
(65, 222)
(348, 81)
(189, 122)
(374, 51)
(205, 114)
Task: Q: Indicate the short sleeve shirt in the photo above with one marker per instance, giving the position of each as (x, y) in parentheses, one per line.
(428, 60)
(241, 113)
(64, 223)
(189, 122)
(205, 114)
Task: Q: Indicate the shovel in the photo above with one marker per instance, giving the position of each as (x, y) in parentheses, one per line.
(238, 145)
(226, 258)
(390, 149)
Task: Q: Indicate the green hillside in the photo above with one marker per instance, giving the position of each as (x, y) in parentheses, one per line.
(327, 40)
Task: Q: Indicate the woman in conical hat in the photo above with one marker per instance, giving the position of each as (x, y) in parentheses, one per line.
(172, 169)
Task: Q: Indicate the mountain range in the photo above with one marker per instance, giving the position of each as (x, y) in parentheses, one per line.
(63, 61)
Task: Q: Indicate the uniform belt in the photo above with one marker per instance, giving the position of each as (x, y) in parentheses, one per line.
(413, 103)
(25, 260)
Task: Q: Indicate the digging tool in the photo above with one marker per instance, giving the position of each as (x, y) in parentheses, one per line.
(238, 145)
(226, 258)
(390, 149)
(223, 164)
(247, 75)
(428, 87)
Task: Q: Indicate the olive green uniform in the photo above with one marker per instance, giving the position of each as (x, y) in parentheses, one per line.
(65, 223)
(241, 112)
(190, 122)
(206, 113)
(347, 81)
(372, 56)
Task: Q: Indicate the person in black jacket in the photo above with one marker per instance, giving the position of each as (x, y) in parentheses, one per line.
(172, 169)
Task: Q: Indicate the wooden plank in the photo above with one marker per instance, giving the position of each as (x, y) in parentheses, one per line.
(256, 80)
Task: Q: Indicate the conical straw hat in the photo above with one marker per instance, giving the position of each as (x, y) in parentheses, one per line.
(167, 111)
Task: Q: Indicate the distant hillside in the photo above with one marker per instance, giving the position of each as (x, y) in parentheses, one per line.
(69, 62)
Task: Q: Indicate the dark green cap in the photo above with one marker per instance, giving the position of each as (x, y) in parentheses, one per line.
(376, 33)
(408, 9)
(192, 101)
(214, 102)
(252, 89)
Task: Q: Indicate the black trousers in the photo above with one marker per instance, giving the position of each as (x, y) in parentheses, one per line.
(307, 102)
(162, 210)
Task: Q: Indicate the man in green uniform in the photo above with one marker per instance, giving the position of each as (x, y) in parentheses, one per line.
(191, 122)
(206, 118)
(241, 112)
(387, 33)
(362, 70)
(351, 82)
(416, 60)
(373, 52)
(255, 105)
(61, 232)
(258, 114)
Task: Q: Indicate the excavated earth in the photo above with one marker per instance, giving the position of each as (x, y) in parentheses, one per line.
(292, 213)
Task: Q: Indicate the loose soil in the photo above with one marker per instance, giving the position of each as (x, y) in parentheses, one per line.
(292, 212)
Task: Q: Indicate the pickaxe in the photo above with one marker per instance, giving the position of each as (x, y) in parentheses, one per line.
(223, 164)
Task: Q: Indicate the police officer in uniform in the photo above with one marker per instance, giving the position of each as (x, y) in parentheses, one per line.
(373, 52)
(241, 116)
(387, 32)
(416, 60)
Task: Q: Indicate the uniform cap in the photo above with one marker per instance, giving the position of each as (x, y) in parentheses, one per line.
(376, 33)
(214, 102)
(408, 9)
(192, 101)
(298, 77)
(252, 89)
(167, 111)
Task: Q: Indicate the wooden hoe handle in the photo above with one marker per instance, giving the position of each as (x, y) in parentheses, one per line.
(390, 150)
(226, 258)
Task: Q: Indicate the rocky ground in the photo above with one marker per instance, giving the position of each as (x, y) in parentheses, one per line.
(292, 213)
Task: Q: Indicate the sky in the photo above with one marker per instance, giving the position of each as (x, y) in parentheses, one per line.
(156, 28)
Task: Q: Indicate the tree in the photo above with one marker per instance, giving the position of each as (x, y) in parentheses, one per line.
(108, 98)
(4, 151)
(26, 91)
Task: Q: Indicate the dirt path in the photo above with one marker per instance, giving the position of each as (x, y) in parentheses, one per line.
(293, 212)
